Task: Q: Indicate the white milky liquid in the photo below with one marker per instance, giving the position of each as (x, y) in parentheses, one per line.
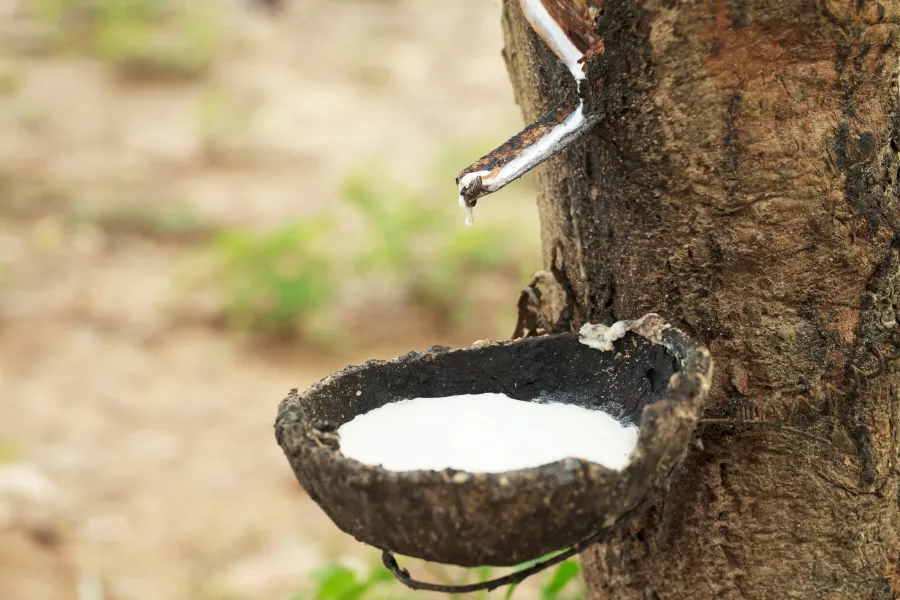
(484, 433)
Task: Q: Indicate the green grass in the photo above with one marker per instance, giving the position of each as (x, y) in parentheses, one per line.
(140, 38)
(335, 582)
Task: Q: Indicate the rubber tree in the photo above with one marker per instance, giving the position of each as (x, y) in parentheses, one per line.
(743, 182)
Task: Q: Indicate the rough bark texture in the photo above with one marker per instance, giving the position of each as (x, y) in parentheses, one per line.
(744, 184)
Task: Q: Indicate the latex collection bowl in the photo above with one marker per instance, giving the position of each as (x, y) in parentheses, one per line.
(653, 376)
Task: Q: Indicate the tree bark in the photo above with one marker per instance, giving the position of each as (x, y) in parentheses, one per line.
(744, 184)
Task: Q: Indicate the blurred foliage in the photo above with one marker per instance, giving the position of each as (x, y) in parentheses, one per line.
(164, 222)
(141, 38)
(396, 221)
(565, 573)
(335, 582)
(469, 252)
(9, 452)
(275, 282)
(412, 242)
(559, 582)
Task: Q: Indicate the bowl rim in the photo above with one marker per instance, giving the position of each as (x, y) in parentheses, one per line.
(695, 360)
(665, 430)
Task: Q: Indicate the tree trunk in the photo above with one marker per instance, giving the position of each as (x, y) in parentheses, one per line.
(744, 184)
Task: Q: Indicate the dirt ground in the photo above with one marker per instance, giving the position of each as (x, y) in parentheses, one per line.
(137, 458)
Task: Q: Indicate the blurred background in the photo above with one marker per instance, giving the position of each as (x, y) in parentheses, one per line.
(202, 205)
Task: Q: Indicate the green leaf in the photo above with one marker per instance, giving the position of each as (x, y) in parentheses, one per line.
(509, 591)
(334, 582)
(526, 565)
(380, 574)
(354, 592)
(484, 573)
(565, 572)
